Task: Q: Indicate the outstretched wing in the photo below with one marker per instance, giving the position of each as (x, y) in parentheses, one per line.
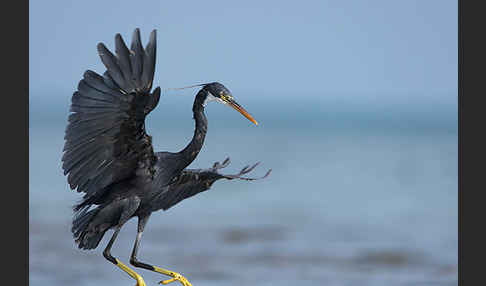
(105, 139)
(194, 181)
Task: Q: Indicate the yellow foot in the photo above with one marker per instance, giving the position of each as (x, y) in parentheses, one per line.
(176, 277)
(130, 272)
(140, 282)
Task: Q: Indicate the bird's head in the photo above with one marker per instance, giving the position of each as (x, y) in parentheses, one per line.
(218, 92)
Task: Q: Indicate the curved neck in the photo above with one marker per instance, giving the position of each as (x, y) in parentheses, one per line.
(189, 153)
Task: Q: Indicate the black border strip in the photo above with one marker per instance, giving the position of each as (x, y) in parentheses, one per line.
(472, 143)
(15, 143)
(460, 82)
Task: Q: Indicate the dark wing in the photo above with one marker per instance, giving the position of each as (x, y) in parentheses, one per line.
(194, 181)
(105, 139)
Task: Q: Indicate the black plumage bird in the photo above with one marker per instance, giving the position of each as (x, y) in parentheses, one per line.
(108, 155)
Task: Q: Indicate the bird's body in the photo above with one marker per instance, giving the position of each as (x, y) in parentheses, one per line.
(109, 156)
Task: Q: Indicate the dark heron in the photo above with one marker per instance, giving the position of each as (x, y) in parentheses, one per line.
(109, 156)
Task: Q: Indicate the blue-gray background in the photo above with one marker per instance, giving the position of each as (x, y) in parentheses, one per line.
(357, 104)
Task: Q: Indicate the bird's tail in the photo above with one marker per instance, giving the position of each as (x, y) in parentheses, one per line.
(86, 235)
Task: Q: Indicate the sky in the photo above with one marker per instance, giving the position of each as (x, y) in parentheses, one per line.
(272, 49)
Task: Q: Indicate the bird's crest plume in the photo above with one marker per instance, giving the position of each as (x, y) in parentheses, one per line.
(180, 88)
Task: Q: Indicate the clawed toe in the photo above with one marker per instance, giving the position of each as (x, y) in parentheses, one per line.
(176, 277)
(218, 165)
(246, 170)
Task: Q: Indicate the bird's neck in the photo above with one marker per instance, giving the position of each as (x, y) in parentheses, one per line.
(190, 152)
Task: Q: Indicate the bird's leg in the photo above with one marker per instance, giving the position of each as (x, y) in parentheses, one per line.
(129, 271)
(133, 259)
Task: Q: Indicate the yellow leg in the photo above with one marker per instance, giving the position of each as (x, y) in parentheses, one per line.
(133, 259)
(130, 272)
(175, 276)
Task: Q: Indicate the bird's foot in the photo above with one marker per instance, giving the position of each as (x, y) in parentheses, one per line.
(176, 277)
(140, 282)
(245, 170)
(130, 272)
(218, 165)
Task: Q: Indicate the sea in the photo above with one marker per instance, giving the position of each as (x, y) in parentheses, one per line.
(360, 193)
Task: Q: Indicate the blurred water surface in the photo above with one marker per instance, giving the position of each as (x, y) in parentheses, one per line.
(355, 198)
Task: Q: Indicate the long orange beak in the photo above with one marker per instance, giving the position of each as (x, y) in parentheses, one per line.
(241, 110)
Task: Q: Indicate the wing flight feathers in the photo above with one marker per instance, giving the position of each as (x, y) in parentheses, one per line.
(105, 140)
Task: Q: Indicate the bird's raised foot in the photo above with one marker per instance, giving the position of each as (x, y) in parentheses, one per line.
(176, 277)
(246, 170)
(218, 165)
